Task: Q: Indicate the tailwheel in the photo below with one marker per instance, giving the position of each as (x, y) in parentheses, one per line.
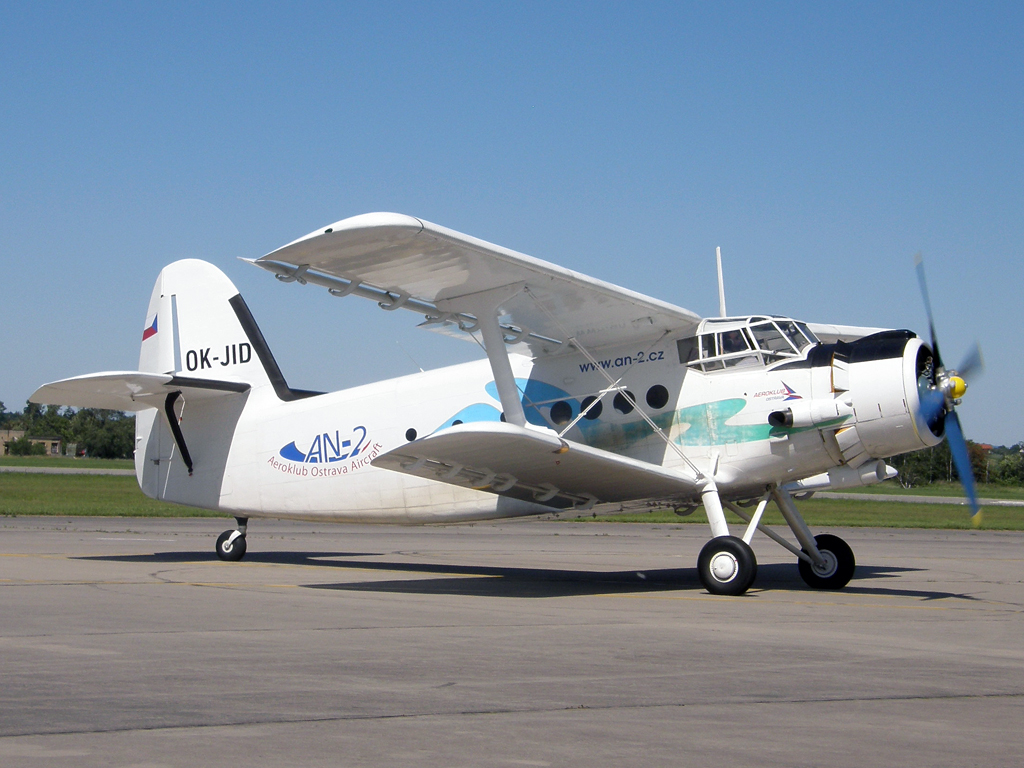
(837, 567)
(231, 545)
(727, 566)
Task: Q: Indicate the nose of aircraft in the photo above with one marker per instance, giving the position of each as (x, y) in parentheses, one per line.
(952, 386)
(957, 387)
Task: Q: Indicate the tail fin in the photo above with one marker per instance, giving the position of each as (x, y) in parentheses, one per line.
(199, 326)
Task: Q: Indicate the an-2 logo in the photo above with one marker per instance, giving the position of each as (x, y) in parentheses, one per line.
(324, 450)
(234, 354)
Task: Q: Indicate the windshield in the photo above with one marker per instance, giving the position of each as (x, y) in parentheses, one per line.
(733, 342)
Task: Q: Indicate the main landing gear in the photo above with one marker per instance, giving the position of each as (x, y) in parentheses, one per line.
(727, 565)
(231, 544)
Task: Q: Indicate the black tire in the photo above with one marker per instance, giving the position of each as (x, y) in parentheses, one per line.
(233, 551)
(839, 567)
(727, 566)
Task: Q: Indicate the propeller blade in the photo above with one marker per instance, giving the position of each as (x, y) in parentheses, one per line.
(962, 460)
(919, 264)
(972, 364)
(933, 404)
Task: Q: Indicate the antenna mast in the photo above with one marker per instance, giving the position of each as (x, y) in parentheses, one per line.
(721, 285)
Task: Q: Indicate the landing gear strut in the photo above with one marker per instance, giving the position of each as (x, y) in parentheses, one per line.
(727, 565)
(231, 543)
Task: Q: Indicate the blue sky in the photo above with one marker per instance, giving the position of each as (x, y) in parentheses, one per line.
(820, 145)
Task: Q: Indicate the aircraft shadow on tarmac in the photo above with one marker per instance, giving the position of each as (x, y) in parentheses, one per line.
(505, 581)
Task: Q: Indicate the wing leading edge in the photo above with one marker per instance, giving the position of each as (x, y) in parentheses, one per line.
(405, 262)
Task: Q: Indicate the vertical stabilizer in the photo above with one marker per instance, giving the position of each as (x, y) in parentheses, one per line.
(194, 327)
(199, 331)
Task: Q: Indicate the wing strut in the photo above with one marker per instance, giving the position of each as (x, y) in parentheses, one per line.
(484, 306)
(617, 386)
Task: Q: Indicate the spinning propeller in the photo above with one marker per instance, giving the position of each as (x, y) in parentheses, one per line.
(940, 391)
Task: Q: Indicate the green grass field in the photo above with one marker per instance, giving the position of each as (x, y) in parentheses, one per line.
(85, 495)
(65, 461)
(985, 490)
(119, 496)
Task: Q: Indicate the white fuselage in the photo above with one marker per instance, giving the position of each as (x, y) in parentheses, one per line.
(257, 455)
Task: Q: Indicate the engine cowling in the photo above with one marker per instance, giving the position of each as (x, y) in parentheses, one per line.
(882, 377)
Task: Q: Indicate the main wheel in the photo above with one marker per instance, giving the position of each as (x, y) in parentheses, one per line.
(727, 566)
(230, 550)
(838, 568)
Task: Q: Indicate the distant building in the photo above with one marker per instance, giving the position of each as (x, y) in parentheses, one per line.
(51, 444)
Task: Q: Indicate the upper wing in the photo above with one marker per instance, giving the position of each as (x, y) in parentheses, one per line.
(830, 334)
(534, 466)
(404, 262)
(129, 390)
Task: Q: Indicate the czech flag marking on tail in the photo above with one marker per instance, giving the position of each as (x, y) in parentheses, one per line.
(150, 329)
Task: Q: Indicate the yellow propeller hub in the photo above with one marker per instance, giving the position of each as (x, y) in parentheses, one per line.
(957, 387)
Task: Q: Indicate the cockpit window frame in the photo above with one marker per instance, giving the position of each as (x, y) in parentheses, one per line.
(781, 338)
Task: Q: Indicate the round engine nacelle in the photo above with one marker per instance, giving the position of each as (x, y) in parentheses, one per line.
(884, 375)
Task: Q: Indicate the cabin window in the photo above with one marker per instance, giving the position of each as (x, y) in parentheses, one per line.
(623, 404)
(410, 434)
(561, 413)
(594, 412)
(657, 397)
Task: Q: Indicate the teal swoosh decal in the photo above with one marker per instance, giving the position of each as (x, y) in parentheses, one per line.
(695, 425)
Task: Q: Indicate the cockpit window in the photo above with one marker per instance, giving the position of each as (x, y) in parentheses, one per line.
(732, 342)
(687, 349)
(770, 339)
(808, 333)
(790, 329)
(708, 347)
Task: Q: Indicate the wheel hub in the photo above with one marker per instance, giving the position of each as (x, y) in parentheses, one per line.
(724, 567)
(829, 564)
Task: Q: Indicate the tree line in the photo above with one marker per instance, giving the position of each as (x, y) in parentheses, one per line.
(96, 432)
(1003, 465)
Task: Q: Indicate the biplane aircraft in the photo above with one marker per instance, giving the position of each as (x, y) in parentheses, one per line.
(591, 397)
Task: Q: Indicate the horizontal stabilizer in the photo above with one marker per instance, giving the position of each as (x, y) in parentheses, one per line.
(129, 390)
(534, 466)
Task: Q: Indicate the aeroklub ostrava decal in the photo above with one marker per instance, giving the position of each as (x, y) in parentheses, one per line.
(328, 455)
(786, 392)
